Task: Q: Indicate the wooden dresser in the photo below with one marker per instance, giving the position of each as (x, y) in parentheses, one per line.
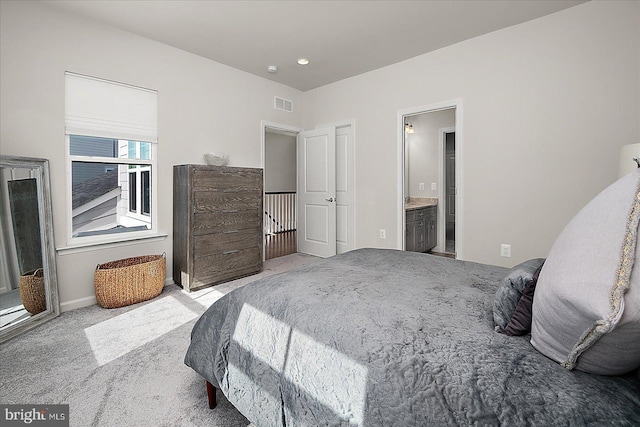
(217, 224)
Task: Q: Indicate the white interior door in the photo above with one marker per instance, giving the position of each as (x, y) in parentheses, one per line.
(345, 186)
(317, 192)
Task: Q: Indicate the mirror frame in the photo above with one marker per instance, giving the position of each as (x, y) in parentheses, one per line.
(40, 168)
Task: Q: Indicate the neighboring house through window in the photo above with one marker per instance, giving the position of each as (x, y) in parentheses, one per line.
(111, 142)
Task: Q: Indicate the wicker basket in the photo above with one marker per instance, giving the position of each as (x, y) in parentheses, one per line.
(129, 281)
(32, 292)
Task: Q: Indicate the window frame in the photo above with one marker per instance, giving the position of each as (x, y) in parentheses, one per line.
(112, 237)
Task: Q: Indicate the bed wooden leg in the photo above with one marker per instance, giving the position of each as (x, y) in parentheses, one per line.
(211, 394)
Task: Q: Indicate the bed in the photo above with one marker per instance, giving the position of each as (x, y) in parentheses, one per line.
(379, 337)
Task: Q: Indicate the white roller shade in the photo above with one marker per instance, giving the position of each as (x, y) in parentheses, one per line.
(108, 109)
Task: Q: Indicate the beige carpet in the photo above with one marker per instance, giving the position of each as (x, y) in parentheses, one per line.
(123, 367)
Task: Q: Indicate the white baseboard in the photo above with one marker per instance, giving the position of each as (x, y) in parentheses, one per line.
(88, 301)
(78, 303)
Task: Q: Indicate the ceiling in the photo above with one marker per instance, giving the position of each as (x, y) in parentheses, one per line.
(340, 38)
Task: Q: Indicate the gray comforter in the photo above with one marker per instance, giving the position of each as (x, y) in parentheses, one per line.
(388, 338)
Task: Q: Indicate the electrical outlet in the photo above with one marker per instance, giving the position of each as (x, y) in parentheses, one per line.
(383, 233)
(505, 250)
(422, 186)
(433, 186)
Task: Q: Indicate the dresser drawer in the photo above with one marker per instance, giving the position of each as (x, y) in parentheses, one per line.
(225, 266)
(229, 180)
(224, 202)
(218, 243)
(208, 222)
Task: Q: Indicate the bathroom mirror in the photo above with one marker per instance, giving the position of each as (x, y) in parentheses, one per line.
(28, 279)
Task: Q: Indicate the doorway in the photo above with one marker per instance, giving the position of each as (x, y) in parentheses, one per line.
(290, 228)
(430, 154)
(279, 203)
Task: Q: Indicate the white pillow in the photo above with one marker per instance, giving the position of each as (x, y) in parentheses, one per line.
(586, 308)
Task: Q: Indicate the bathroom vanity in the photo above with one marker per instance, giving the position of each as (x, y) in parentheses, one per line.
(421, 224)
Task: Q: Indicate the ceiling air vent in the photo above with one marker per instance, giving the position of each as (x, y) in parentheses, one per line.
(283, 104)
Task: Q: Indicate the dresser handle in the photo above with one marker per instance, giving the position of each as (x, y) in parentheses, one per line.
(230, 252)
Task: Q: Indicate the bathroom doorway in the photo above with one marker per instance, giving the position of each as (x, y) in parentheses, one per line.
(431, 143)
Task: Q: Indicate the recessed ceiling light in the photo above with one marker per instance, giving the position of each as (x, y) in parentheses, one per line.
(272, 69)
(303, 61)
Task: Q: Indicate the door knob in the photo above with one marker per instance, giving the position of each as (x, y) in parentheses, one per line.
(330, 199)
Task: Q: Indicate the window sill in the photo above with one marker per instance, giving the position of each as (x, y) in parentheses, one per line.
(94, 246)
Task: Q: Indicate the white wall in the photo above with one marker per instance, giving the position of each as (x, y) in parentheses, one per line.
(627, 154)
(203, 107)
(279, 162)
(546, 106)
(424, 161)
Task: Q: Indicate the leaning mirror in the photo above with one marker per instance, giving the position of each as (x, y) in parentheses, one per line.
(28, 284)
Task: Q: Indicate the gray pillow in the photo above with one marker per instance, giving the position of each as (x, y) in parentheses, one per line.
(586, 308)
(509, 310)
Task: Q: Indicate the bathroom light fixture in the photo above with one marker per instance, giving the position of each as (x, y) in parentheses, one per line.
(303, 61)
(408, 127)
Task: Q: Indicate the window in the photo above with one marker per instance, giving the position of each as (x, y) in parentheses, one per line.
(110, 186)
(111, 146)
